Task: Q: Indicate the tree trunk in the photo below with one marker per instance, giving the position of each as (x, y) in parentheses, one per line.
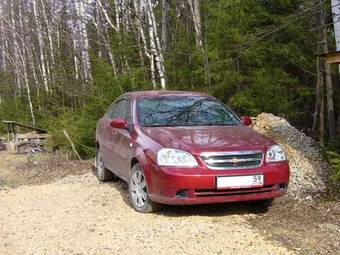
(197, 19)
(165, 14)
(49, 33)
(196, 15)
(329, 85)
(41, 47)
(155, 44)
(85, 57)
(15, 50)
(3, 46)
(107, 18)
(22, 54)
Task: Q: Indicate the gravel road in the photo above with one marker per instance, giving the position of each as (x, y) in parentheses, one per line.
(79, 215)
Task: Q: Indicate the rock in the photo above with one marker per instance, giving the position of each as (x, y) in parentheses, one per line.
(308, 168)
(336, 209)
(329, 227)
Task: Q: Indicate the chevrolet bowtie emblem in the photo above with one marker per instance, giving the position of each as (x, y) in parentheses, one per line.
(235, 160)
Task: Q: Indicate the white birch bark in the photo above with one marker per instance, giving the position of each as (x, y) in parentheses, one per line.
(49, 32)
(22, 55)
(28, 90)
(107, 18)
(108, 48)
(3, 45)
(165, 13)
(155, 44)
(15, 50)
(118, 9)
(137, 7)
(75, 58)
(41, 47)
(85, 57)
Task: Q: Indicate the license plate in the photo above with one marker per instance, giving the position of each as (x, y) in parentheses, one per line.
(246, 181)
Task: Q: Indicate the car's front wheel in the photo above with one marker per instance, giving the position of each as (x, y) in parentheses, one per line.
(262, 205)
(102, 173)
(139, 193)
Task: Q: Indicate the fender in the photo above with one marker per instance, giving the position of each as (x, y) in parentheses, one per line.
(145, 160)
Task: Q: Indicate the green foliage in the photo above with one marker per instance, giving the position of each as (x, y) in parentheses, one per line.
(252, 75)
(333, 152)
(81, 123)
(268, 92)
(334, 159)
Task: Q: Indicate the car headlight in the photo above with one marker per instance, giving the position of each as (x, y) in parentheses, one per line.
(175, 157)
(275, 153)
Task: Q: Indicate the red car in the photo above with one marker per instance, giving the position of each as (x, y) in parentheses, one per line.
(186, 148)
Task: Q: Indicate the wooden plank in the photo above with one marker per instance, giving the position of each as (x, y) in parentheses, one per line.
(14, 123)
(333, 58)
(32, 136)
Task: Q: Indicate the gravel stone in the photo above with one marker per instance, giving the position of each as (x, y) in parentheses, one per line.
(67, 217)
(308, 167)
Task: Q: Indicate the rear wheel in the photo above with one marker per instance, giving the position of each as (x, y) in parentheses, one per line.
(139, 193)
(102, 173)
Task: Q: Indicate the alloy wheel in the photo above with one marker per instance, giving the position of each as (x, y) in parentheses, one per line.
(138, 189)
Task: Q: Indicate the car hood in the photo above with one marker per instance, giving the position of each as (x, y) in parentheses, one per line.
(211, 138)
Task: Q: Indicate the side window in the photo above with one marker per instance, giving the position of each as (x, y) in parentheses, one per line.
(117, 109)
(127, 112)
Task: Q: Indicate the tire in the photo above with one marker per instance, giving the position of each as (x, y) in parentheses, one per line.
(138, 192)
(102, 173)
(263, 205)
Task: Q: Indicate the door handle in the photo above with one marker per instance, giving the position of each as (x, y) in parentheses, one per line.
(114, 132)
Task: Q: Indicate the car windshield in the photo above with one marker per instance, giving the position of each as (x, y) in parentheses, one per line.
(184, 111)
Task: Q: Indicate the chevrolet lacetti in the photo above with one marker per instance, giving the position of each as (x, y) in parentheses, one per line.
(186, 148)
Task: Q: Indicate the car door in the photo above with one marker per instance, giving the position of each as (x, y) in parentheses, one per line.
(124, 143)
(110, 134)
(103, 131)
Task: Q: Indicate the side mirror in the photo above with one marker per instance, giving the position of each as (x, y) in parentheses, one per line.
(246, 121)
(118, 123)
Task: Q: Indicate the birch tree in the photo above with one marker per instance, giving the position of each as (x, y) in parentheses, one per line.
(41, 46)
(155, 45)
(196, 15)
(164, 20)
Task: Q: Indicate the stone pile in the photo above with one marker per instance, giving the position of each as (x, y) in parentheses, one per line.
(308, 166)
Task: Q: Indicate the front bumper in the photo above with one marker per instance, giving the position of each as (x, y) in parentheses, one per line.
(198, 185)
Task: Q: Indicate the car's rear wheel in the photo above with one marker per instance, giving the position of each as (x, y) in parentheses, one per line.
(102, 173)
(138, 192)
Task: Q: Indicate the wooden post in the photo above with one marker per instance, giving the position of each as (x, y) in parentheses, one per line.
(72, 144)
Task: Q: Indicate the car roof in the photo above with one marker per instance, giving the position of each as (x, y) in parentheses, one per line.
(160, 93)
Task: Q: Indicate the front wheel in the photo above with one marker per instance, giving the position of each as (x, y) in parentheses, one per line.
(139, 193)
(262, 205)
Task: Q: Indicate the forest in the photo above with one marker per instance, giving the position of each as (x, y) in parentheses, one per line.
(62, 62)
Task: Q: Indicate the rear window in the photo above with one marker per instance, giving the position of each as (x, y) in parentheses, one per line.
(184, 111)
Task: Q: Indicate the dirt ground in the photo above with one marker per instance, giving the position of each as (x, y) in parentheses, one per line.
(57, 206)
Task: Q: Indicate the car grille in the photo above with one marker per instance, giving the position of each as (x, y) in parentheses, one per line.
(232, 160)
